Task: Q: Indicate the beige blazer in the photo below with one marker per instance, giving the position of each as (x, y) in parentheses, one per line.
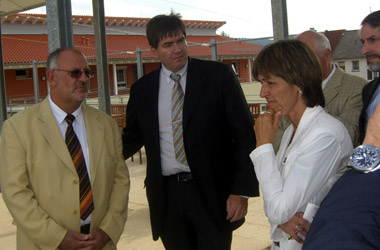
(40, 184)
(343, 100)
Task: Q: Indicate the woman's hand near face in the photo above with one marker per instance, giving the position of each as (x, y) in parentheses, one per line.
(266, 127)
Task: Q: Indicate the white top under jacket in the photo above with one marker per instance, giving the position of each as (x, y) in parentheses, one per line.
(302, 172)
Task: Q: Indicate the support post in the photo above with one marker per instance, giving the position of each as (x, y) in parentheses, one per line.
(280, 20)
(214, 50)
(140, 69)
(35, 83)
(101, 57)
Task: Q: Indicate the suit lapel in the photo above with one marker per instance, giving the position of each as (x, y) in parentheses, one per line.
(331, 89)
(50, 130)
(195, 83)
(95, 137)
(367, 98)
(151, 91)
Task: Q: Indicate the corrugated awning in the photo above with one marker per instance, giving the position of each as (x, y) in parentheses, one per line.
(8, 7)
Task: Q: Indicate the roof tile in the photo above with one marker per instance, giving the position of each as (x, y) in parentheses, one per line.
(26, 48)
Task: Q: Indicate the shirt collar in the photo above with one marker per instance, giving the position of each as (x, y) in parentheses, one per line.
(324, 82)
(60, 115)
(167, 72)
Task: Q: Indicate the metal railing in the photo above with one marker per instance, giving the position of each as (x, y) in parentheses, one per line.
(17, 104)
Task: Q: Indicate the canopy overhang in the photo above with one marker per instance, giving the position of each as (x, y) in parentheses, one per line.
(8, 7)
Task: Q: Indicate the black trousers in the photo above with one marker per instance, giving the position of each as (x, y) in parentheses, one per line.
(187, 225)
(85, 229)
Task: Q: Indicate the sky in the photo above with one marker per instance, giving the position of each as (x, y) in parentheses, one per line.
(245, 18)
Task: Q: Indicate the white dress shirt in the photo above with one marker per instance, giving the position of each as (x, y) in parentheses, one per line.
(373, 103)
(79, 127)
(169, 163)
(302, 172)
(324, 82)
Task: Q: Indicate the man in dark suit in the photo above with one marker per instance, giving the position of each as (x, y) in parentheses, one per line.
(199, 178)
(370, 37)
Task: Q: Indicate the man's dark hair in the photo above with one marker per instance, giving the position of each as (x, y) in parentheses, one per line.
(373, 19)
(162, 26)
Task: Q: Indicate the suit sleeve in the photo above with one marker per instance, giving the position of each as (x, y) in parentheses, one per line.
(116, 216)
(367, 93)
(132, 138)
(18, 195)
(351, 109)
(240, 122)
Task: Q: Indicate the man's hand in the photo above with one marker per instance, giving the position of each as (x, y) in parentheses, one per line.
(100, 237)
(295, 226)
(74, 241)
(237, 207)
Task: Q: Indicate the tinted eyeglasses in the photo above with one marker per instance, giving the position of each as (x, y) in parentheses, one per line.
(77, 73)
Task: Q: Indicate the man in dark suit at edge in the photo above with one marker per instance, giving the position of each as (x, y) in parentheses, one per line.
(370, 37)
(348, 218)
(198, 180)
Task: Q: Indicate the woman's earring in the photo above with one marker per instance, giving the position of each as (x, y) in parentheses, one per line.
(300, 92)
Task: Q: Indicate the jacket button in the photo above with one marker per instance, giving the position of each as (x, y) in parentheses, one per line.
(75, 212)
(75, 182)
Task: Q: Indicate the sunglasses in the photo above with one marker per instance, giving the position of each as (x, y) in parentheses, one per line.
(77, 73)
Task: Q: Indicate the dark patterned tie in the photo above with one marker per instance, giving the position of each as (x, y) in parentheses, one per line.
(72, 142)
(177, 106)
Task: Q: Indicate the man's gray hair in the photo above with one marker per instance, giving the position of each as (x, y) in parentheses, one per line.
(320, 41)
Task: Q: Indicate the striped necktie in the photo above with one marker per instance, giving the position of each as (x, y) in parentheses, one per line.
(177, 106)
(85, 194)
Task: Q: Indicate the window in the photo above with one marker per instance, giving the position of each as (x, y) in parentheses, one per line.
(22, 74)
(121, 78)
(342, 65)
(355, 66)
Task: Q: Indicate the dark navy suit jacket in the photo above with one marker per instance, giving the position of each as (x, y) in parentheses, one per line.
(349, 216)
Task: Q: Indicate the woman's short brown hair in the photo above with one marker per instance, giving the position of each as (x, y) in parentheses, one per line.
(296, 63)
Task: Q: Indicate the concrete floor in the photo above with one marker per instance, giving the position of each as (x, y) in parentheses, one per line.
(253, 235)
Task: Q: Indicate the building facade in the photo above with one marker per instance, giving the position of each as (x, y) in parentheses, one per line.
(25, 45)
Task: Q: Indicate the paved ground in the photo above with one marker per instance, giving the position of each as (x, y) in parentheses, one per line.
(253, 235)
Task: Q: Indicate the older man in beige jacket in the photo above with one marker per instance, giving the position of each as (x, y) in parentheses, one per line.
(39, 178)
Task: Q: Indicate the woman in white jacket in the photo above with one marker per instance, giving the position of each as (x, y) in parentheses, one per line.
(314, 149)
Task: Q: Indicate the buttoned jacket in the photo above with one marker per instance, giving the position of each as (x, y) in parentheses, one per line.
(40, 185)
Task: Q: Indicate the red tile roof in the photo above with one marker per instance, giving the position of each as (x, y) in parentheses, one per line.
(109, 21)
(334, 37)
(25, 48)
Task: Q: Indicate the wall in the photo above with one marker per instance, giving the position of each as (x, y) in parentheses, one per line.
(23, 88)
(242, 68)
(348, 66)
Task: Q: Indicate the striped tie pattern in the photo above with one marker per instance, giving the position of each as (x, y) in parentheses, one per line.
(177, 106)
(72, 142)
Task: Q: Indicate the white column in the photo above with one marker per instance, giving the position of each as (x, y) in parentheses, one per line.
(115, 78)
(249, 70)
